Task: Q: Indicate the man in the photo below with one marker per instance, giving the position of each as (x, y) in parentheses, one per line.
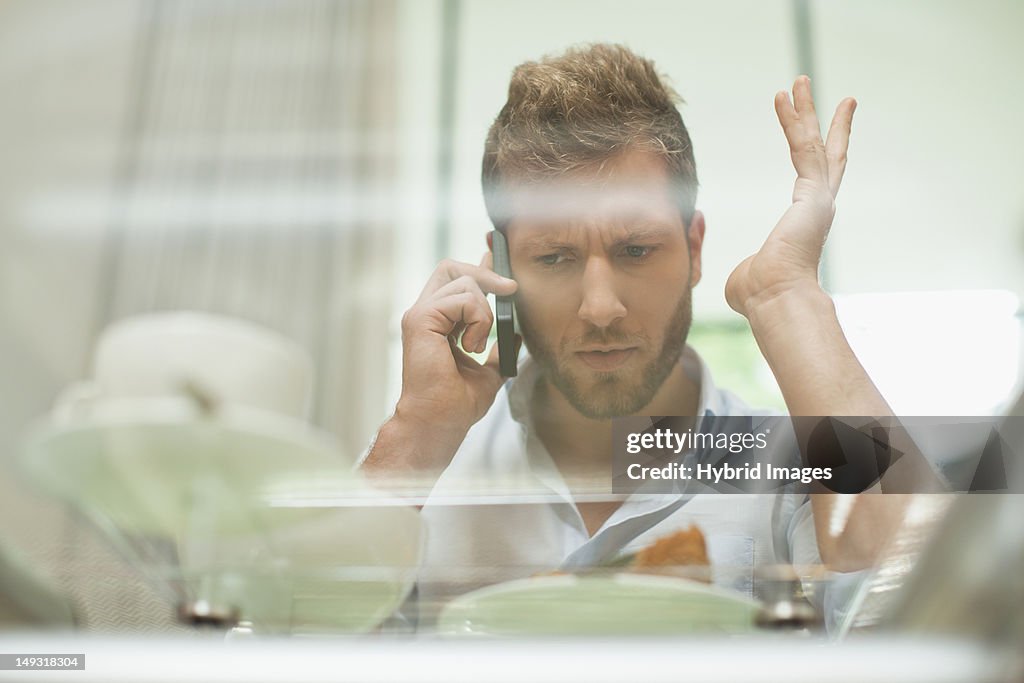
(589, 172)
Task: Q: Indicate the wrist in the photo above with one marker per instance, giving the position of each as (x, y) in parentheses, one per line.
(788, 310)
(427, 420)
(407, 444)
(787, 300)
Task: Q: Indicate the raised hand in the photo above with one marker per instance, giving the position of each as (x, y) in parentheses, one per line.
(788, 260)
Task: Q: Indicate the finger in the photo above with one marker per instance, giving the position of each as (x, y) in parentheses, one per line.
(449, 270)
(799, 123)
(802, 150)
(476, 338)
(838, 142)
(786, 113)
(472, 319)
(457, 331)
(461, 312)
(465, 283)
(476, 317)
(487, 261)
(803, 102)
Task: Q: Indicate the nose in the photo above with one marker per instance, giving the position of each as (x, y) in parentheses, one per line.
(601, 305)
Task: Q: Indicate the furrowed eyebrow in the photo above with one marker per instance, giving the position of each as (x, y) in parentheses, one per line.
(625, 236)
(647, 233)
(545, 244)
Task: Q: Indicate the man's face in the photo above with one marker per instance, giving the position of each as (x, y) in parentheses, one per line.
(605, 268)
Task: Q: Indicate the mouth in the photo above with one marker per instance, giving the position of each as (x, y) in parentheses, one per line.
(606, 359)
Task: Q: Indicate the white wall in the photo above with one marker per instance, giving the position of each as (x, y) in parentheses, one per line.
(935, 190)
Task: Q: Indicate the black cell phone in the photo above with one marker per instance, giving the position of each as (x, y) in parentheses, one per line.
(505, 309)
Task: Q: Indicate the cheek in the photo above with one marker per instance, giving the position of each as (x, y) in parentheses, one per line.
(548, 310)
(541, 303)
(653, 303)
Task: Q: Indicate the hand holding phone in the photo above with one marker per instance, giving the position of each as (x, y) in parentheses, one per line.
(445, 391)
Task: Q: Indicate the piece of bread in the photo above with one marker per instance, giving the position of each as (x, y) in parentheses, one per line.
(683, 549)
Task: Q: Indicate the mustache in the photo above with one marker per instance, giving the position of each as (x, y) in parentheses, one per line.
(608, 336)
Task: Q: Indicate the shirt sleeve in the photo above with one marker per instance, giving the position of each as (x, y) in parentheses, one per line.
(835, 598)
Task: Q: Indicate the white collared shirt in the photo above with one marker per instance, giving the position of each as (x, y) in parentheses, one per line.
(472, 541)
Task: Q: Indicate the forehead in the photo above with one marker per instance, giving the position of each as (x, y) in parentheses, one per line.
(631, 188)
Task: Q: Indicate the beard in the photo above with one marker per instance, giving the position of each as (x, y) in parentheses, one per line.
(605, 395)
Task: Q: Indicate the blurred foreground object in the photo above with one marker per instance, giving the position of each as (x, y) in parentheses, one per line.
(970, 581)
(215, 359)
(190, 424)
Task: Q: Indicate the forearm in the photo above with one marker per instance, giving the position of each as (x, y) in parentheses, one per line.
(819, 375)
(409, 455)
(799, 335)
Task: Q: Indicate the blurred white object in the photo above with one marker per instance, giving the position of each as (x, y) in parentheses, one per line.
(186, 496)
(939, 353)
(145, 465)
(189, 423)
(230, 361)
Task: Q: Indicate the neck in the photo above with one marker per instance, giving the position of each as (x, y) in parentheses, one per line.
(580, 446)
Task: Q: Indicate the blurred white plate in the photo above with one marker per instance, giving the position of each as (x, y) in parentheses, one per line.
(620, 604)
(158, 472)
(152, 466)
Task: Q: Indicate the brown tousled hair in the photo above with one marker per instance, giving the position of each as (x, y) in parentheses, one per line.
(579, 109)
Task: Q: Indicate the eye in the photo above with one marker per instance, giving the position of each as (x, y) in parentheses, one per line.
(637, 252)
(553, 259)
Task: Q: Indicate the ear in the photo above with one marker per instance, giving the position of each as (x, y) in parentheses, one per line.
(695, 241)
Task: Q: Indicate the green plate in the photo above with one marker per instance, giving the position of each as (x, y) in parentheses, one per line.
(618, 604)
